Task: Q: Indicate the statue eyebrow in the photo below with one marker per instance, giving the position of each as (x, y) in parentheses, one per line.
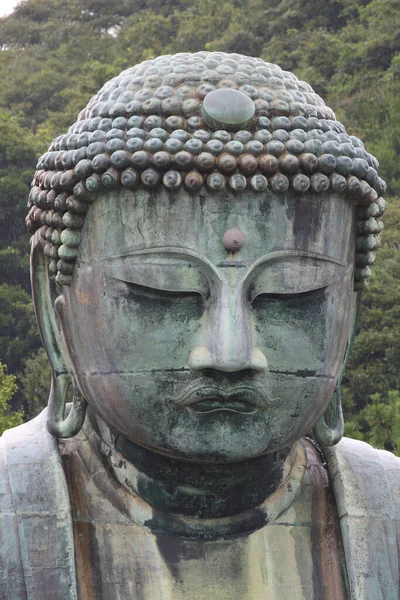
(177, 251)
(276, 255)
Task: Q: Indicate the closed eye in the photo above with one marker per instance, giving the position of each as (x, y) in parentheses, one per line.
(297, 276)
(160, 276)
(149, 292)
(291, 297)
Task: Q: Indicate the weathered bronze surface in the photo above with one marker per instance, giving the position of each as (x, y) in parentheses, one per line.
(200, 239)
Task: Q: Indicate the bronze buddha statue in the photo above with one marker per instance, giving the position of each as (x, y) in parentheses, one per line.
(200, 240)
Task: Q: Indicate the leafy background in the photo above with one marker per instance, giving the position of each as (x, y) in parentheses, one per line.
(55, 54)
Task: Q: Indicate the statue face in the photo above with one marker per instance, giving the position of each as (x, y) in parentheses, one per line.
(199, 353)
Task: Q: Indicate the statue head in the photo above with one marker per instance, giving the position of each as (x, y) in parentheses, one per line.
(200, 237)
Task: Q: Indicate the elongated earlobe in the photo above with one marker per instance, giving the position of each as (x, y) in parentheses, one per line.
(329, 429)
(58, 423)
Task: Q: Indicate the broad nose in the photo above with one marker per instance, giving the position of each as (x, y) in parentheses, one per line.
(229, 337)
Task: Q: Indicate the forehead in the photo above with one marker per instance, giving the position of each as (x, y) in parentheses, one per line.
(122, 222)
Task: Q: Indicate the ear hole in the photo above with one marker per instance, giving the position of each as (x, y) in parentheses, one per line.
(58, 303)
(69, 398)
(54, 290)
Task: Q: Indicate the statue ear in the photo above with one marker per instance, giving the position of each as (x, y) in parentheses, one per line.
(49, 309)
(329, 428)
(44, 294)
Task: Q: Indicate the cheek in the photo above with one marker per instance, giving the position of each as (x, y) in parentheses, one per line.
(291, 332)
(306, 334)
(159, 330)
(115, 329)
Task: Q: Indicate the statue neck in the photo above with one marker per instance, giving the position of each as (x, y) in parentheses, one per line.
(204, 490)
(194, 489)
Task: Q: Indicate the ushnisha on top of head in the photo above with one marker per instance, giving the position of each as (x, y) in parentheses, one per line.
(208, 120)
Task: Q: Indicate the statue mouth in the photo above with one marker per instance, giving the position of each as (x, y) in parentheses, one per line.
(215, 404)
(245, 399)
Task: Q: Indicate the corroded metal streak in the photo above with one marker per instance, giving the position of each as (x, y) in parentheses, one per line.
(329, 577)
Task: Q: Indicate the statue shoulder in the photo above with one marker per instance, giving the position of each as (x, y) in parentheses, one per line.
(366, 484)
(373, 475)
(37, 554)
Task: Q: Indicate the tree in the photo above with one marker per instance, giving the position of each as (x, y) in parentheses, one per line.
(8, 387)
(18, 331)
(35, 383)
(18, 152)
(378, 423)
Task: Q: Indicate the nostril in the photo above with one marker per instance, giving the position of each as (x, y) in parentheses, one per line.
(200, 358)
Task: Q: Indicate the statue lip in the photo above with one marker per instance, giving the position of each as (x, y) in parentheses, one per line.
(216, 404)
(204, 398)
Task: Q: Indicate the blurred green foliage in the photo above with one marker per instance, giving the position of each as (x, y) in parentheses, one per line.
(35, 382)
(55, 54)
(8, 418)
